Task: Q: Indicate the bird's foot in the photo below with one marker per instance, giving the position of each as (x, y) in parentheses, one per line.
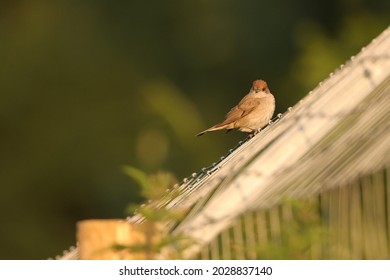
(254, 132)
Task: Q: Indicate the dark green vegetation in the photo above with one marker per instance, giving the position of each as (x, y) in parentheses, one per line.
(89, 86)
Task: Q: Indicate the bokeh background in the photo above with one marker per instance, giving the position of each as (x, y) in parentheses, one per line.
(87, 87)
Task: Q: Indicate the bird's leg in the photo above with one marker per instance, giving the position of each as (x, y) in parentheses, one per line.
(253, 133)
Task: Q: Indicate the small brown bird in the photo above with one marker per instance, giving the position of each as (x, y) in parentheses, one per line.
(252, 113)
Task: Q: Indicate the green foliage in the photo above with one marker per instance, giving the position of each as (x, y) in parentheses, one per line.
(301, 234)
(320, 52)
(156, 217)
(87, 86)
(154, 186)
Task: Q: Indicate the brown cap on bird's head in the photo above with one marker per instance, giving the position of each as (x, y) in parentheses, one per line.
(259, 85)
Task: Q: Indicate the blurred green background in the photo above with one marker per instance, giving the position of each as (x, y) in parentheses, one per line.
(89, 86)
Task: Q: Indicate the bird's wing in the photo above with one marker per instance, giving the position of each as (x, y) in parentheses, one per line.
(248, 105)
(241, 110)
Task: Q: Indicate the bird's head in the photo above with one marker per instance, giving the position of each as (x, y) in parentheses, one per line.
(260, 85)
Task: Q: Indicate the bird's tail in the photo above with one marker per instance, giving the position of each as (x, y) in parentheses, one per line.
(213, 128)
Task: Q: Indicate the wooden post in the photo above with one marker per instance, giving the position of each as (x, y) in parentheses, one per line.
(97, 240)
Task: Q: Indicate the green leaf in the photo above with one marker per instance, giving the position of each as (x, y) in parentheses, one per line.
(137, 175)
